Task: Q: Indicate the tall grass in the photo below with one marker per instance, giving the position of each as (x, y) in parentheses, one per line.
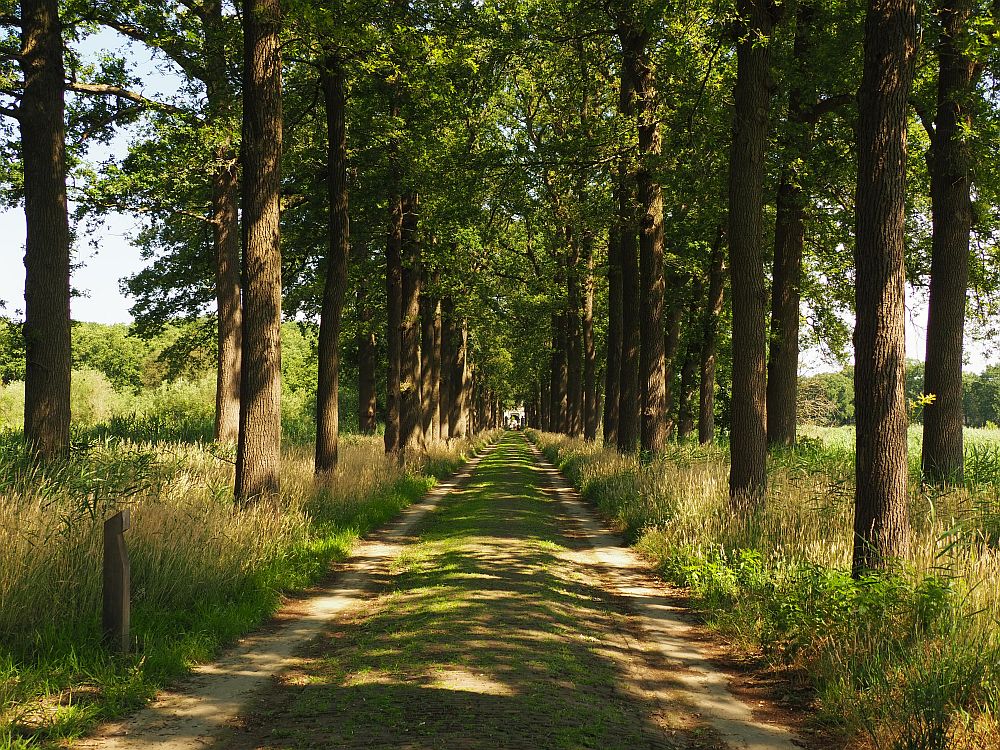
(909, 660)
(177, 410)
(203, 572)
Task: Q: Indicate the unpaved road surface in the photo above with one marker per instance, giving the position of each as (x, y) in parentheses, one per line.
(497, 614)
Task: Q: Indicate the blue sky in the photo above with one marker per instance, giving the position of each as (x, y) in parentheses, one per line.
(106, 256)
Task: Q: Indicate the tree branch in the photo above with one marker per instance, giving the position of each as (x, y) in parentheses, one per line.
(925, 119)
(10, 112)
(104, 89)
(827, 105)
(7, 19)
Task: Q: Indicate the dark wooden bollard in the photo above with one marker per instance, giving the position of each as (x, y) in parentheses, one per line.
(117, 583)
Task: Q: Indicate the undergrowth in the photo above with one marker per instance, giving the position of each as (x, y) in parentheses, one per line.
(909, 661)
(203, 572)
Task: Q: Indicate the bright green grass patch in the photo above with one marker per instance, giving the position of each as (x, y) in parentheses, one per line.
(203, 573)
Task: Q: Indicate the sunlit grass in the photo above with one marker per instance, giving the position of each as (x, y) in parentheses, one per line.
(906, 661)
(203, 572)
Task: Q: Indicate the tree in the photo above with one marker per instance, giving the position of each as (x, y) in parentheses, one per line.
(951, 167)
(789, 238)
(709, 343)
(653, 430)
(394, 327)
(259, 447)
(881, 525)
(628, 410)
(198, 39)
(411, 433)
(613, 366)
(332, 79)
(748, 442)
(46, 256)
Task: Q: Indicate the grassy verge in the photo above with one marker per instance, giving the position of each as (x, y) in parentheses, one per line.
(487, 637)
(202, 573)
(904, 661)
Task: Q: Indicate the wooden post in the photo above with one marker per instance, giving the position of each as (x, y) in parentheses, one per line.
(117, 583)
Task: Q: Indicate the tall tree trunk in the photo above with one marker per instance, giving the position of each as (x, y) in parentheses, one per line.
(574, 353)
(226, 231)
(332, 80)
(689, 368)
(613, 364)
(710, 338)
(558, 386)
(428, 384)
(545, 408)
(628, 398)
(258, 454)
(436, 410)
(449, 338)
(591, 410)
(411, 433)
(942, 450)
(653, 432)
(394, 327)
(458, 417)
(748, 441)
(671, 344)
(46, 255)
(221, 99)
(367, 359)
(881, 526)
(789, 238)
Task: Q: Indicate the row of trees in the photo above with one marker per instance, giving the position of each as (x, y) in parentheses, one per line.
(587, 207)
(797, 65)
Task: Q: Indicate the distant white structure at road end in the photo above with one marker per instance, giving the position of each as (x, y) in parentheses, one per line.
(513, 419)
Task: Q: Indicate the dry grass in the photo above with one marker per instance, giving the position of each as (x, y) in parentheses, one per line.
(907, 661)
(203, 572)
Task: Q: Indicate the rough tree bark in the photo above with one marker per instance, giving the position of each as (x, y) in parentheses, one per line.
(220, 97)
(46, 254)
(458, 417)
(591, 410)
(411, 433)
(671, 343)
(574, 353)
(689, 367)
(559, 402)
(430, 363)
(333, 83)
(448, 337)
(436, 419)
(653, 433)
(748, 472)
(881, 526)
(394, 327)
(367, 359)
(258, 453)
(628, 400)
(942, 454)
(226, 236)
(544, 411)
(710, 338)
(613, 364)
(789, 238)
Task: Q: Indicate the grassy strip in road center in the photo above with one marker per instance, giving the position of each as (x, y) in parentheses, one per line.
(492, 635)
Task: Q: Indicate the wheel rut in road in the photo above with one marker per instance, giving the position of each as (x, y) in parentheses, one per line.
(515, 621)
